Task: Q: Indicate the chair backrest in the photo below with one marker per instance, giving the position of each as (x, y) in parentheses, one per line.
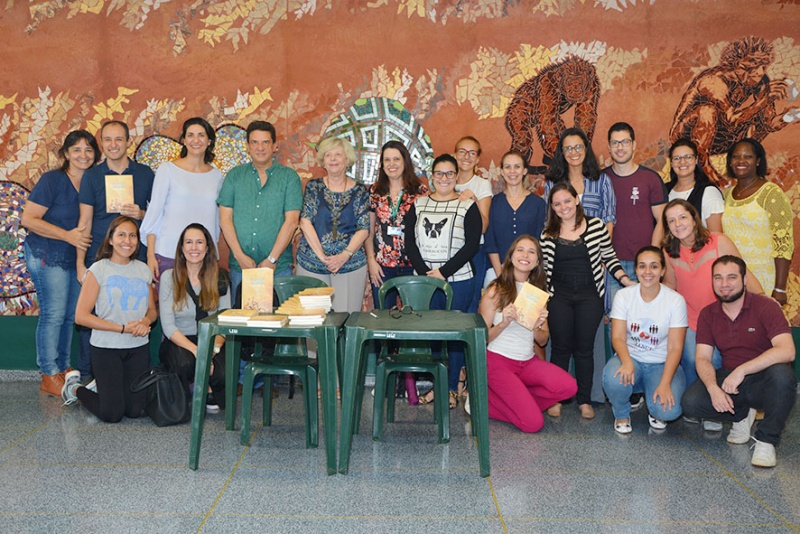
(288, 286)
(417, 291)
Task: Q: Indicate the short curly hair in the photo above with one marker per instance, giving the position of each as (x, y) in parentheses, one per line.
(755, 49)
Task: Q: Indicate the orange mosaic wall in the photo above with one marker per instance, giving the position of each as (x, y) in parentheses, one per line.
(454, 65)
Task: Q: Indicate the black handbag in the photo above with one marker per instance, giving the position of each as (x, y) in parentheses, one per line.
(167, 400)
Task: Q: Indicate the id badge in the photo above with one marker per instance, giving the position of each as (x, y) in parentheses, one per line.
(395, 230)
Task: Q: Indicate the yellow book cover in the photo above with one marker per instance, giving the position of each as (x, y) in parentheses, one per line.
(317, 292)
(529, 303)
(119, 191)
(235, 316)
(257, 289)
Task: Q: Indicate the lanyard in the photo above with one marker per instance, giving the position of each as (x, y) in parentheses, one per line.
(394, 208)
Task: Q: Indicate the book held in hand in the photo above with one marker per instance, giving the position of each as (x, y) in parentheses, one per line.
(119, 191)
(529, 303)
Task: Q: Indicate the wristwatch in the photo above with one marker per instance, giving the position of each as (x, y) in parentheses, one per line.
(272, 260)
(217, 350)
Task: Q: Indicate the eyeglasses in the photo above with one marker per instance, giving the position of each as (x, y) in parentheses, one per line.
(686, 157)
(574, 148)
(621, 142)
(397, 313)
(464, 152)
(444, 174)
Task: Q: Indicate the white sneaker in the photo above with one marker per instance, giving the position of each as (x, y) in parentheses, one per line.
(763, 454)
(712, 426)
(740, 432)
(92, 386)
(657, 424)
(71, 382)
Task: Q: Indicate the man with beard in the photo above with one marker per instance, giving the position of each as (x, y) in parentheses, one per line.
(757, 350)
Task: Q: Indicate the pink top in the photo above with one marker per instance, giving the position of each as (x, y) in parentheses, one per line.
(693, 274)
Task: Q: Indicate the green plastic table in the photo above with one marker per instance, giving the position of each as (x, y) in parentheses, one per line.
(326, 336)
(433, 325)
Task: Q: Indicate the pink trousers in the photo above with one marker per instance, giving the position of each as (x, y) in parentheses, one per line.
(520, 391)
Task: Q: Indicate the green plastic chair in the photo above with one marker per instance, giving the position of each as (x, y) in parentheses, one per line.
(290, 357)
(412, 356)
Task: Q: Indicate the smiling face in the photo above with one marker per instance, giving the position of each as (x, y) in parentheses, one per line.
(194, 247)
(683, 161)
(468, 155)
(524, 258)
(444, 178)
(261, 148)
(574, 150)
(124, 241)
(196, 140)
(115, 143)
(681, 224)
(513, 170)
(80, 156)
(649, 269)
(621, 147)
(392, 163)
(564, 205)
(335, 161)
(744, 162)
(728, 282)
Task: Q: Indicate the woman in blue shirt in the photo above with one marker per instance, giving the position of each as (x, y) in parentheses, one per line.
(51, 217)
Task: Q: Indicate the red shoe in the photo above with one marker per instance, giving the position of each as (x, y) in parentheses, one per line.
(52, 384)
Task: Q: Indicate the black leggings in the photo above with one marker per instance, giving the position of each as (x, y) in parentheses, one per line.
(182, 362)
(115, 370)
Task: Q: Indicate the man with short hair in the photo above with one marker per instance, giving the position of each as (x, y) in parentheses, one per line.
(259, 208)
(115, 141)
(641, 197)
(757, 349)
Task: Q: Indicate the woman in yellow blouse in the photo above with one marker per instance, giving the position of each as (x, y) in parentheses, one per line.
(758, 218)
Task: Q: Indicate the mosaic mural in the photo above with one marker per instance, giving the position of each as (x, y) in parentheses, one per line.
(510, 72)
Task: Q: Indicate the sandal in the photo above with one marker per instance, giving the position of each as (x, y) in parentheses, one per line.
(453, 400)
(462, 384)
(427, 398)
(587, 412)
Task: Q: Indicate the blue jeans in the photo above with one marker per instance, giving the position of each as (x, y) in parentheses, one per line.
(57, 290)
(462, 295)
(391, 296)
(479, 262)
(646, 377)
(689, 357)
(613, 286)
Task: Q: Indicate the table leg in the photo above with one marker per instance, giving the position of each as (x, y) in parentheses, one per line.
(233, 352)
(205, 337)
(354, 340)
(478, 399)
(327, 339)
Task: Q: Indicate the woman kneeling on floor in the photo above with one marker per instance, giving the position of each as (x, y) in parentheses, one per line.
(648, 326)
(117, 302)
(521, 385)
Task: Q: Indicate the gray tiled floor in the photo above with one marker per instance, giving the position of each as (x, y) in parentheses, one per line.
(64, 470)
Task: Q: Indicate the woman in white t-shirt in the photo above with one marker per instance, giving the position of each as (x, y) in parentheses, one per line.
(689, 182)
(648, 325)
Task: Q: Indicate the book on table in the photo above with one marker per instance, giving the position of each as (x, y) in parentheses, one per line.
(235, 316)
(268, 320)
(529, 304)
(257, 289)
(119, 191)
(317, 297)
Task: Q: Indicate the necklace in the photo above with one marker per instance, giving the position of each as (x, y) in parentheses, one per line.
(744, 191)
(336, 200)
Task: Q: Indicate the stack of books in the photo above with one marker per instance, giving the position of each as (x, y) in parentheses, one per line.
(268, 320)
(239, 317)
(316, 297)
(307, 308)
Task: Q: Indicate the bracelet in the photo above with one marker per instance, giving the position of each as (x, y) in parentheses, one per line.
(348, 252)
(123, 329)
(779, 290)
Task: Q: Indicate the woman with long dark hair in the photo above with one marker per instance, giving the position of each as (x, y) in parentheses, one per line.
(51, 216)
(688, 181)
(521, 385)
(118, 303)
(575, 248)
(193, 289)
(184, 191)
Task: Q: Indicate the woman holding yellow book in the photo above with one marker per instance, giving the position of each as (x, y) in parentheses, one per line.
(521, 385)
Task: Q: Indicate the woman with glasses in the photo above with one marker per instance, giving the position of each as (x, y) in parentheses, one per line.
(470, 186)
(758, 218)
(442, 234)
(689, 182)
(575, 248)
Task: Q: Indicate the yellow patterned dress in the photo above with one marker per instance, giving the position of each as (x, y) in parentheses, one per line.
(761, 227)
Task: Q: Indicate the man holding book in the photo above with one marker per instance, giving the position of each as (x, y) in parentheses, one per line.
(259, 208)
(116, 186)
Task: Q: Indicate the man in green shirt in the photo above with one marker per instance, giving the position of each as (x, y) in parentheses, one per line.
(259, 208)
